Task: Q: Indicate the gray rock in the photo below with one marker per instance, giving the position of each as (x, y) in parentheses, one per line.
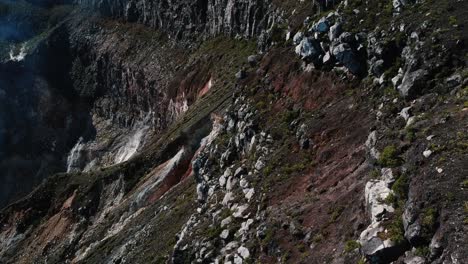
(249, 193)
(414, 260)
(397, 79)
(298, 38)
(371, 243)
(226, 221)
(239, 172)
(436, 246)
(252, 59)
(222, 181)
(377, 68)
(239, 211)
(308, 49)
(370, 145)
(375, 193)
(241, 74)
(327, 59)
(413, 82)
(413, 232)
(228, 198)
(322, 25)
(405, 113)
(243, 252)
(346, 37)
(453, 81)
(224, 234)
(243, 183)
(259, 165)
(346, 56)
(231, 181)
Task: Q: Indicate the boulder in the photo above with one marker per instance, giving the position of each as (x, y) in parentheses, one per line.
(346, 56)
(346, 37)
(376, 249)
(308, 49)
(321, 26)
(375, 194)
(413, 82)
(335, 31)
(243, 252)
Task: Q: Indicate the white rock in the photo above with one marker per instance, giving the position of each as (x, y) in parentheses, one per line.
(245, 226)
(239, 172)
(375, 194)
(222, 181)
(244, 252)
(239, 211)
(439, 170)
(429, 138)
(370, 241)
(237, 259)
(230, 183)
(370, 145)
(224, 234)
(259, 165)
(326, 58)
(249, 193)
(410, 121)
(414, 260)
(243, 183)
(405, 113)
(226, 221)
(228, 197)
(427, 153)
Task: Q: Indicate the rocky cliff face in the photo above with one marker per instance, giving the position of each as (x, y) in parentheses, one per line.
(240, 132)
(190, 20)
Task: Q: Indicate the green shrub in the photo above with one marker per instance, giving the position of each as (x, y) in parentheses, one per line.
(422, 251)
(430, 215)
(351, 245)
(317, 238)
(396, 231)
(375, 174)
(452, 20)
(401, 186)
(389, 157)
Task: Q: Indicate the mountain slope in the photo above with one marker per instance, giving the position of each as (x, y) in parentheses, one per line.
(255, 132)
